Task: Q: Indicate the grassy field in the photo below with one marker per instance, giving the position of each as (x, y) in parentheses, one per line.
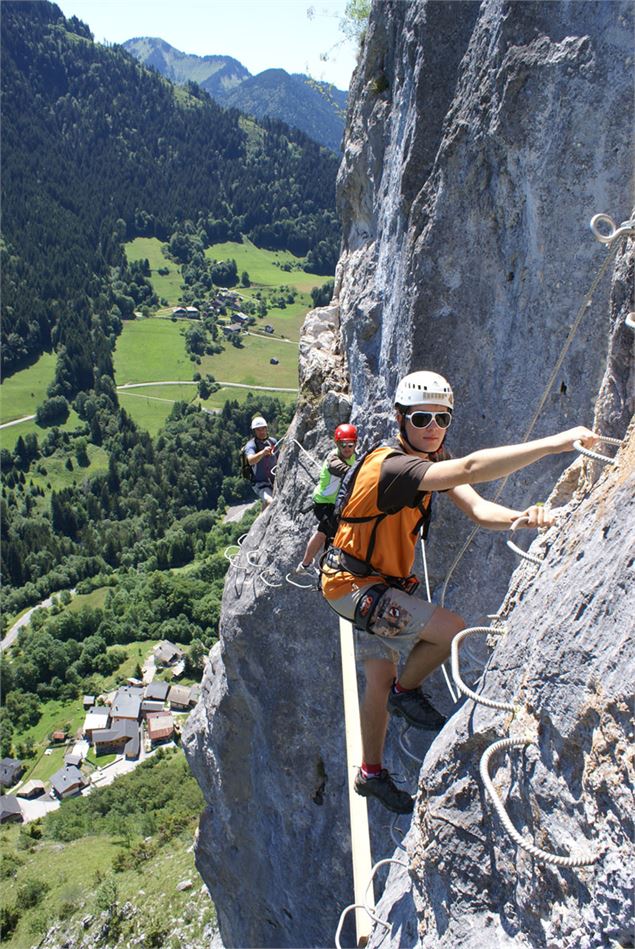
(95, 599)
(151, 350)
(58, 475)
(21, 393)
(9, 436)
(74, 872)
(251, 365)
(55, 715)
(263, 266)
(168, 285)
(150, 406)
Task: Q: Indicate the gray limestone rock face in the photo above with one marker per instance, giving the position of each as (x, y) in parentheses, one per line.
(481, 139)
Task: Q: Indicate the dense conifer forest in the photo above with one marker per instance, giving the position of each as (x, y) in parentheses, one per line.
(97, 150)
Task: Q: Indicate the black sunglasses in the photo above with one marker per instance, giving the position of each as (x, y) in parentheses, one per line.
(423, 419)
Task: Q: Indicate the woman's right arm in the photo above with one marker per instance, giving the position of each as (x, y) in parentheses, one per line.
(489, 464)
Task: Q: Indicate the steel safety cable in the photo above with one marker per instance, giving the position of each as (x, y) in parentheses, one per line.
(543, 856)
(563, 352)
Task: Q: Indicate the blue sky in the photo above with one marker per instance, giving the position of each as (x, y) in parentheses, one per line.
(261, 34)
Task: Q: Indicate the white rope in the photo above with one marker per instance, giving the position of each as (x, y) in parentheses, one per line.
(623, 231)
(310, 457)
(456, 675)
(428, 594)
(517, 550)
(595, 454)
(542, 855)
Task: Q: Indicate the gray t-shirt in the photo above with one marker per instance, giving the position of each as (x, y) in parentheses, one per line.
(262, 470)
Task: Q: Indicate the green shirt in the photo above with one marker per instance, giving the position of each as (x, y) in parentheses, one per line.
(333, 470)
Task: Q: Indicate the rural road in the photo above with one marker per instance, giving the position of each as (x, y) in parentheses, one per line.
(12, 635)
(171, 382)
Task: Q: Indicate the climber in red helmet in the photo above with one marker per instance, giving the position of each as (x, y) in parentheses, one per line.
(338, 461)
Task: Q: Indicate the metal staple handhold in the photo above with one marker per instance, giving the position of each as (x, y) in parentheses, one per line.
(456, 675)
(626, 228)
(595, 454)
(517, 550)
(543, 855)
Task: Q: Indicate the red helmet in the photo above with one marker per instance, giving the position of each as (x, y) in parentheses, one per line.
(346, 433)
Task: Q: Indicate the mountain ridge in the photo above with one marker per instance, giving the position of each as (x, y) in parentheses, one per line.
(316, 108)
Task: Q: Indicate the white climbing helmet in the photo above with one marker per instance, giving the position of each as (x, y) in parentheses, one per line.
(423, 386)
(258, 422)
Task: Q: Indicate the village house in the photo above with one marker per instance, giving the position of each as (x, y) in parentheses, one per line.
(179, 311)
(232, 330)
(127, 704)
(32, 789)
(10, 810)
(192, 312)
(97, 718)
(160, 727)
(167, 654)
(179, 698)
(241, 318)
(88, 701)
(157, 691)
(68, 781)
(11, 770)
(121, 738)
(151, 705)
(73, 759)
(58, 736)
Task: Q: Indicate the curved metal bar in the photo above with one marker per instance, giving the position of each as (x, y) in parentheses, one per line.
(343, 915)
(230, 556)
(522, 553)
(241, 539)
(595, 454)
(630, 321)
(456, 675)
(543, 855)
(405, 748)
(625, 229)
(393, 832)
(380, 863)
(300, 586)
(266, 582)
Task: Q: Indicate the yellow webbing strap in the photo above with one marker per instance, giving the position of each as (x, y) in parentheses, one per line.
(360, 838)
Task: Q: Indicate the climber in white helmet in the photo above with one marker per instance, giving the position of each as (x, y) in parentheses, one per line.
(260, 453)
(367, 574)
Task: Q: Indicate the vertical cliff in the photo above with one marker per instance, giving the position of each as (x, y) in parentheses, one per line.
(481, 139)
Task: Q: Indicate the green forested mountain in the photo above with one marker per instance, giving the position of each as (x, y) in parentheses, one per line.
(96, 150)
(316, 108)
(216, 74)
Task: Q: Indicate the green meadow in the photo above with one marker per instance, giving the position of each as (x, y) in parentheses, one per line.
(168, 285)
(73, 873)
(21, 393)
(251, 364)
(53, 470)
(151, 350)
(264, 266)
(9, 436)
(150, 406)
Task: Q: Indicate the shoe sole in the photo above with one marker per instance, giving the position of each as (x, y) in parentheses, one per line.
(395, 710)
(393, 810)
